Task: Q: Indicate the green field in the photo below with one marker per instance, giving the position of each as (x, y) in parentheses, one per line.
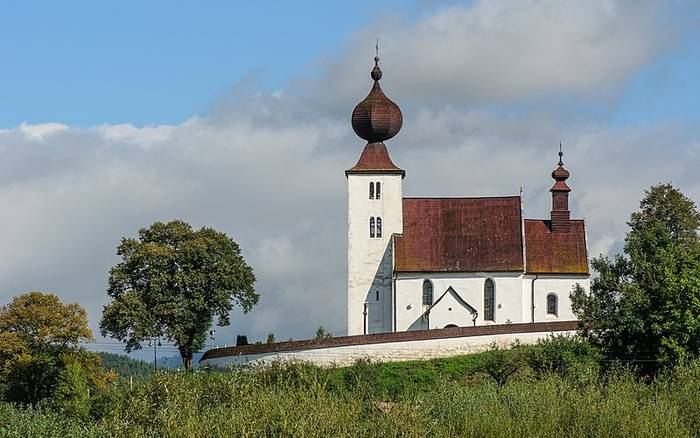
(551, 393)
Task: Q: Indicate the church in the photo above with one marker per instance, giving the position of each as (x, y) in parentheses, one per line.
(433, 263)
(437, 277)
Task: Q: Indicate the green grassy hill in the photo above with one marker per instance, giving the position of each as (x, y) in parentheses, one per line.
(551, 390)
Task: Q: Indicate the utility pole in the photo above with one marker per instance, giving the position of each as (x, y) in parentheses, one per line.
(156, 343)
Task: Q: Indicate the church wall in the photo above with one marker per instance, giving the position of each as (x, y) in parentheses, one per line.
(561, 286)
(449, 311)
(470, 286)
(370, 259)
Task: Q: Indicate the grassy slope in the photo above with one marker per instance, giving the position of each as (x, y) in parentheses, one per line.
(424, 398)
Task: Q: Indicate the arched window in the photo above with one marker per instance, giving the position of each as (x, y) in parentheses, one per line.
(552, 305)
(489, 300)
(371, 227)
(371, 190)
(427, 292)
(379, 190)
(379, 227)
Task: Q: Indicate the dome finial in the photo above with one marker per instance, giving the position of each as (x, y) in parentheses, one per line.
(376, 71)
(561, 154)
(560, 174)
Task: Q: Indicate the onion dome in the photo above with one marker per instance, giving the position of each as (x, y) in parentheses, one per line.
(560, 175)
(376, 118)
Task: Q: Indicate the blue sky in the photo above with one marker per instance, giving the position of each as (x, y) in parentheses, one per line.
(86, 62)
(235, 115)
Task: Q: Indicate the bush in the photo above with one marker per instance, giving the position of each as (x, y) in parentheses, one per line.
(500, 364)
(563, 355)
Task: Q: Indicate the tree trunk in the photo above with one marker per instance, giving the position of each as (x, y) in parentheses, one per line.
(186, 356)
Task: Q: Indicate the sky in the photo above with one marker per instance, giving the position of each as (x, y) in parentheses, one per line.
(235, 115)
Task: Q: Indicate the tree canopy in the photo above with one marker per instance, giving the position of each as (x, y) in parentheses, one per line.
(39, 350)
(644, 305)
(173, 282)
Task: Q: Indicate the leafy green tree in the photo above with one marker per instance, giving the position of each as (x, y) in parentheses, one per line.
(500, 364)
(270, 338)
(39, 340)
(644, 305)
(172, 282)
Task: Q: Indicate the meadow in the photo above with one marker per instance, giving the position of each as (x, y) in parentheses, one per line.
(548, 391)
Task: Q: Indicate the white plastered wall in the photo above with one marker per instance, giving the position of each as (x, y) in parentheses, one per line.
(469, 286)
(561, 286)
(370, 259)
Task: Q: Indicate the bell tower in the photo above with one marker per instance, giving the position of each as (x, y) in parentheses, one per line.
(375, 198)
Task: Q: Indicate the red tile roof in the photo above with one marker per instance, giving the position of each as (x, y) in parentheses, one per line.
(460, 235)
(561, 252)
(375, 159)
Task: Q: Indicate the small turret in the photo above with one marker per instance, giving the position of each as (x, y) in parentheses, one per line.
(560, 216)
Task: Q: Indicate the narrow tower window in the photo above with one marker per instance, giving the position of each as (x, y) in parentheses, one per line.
(379, 227)
(379, 190)
(371, 190)
(371, 227)
(427, 292)
(552, 304)
(489, 300)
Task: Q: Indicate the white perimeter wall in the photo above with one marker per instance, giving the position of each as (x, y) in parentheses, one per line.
(386, 352)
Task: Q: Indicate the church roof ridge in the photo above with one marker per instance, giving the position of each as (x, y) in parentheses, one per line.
(462, 197)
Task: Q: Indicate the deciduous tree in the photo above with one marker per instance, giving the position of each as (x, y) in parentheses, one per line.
(172, 282)
(644, 305)
(39, 338)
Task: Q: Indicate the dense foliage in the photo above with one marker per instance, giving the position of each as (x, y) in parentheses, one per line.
(40, 356)
(125, 366)
(172, 282)
(564, 396)
(644, 305)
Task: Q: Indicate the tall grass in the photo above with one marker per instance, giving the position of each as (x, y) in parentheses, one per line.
(431, 398)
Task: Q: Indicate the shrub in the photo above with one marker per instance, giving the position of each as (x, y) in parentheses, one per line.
(564, 355)
(500, 364)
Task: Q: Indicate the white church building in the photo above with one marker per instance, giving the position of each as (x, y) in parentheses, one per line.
(432, 263)
(437, 277)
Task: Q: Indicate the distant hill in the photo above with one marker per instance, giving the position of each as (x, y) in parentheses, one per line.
(125, 366)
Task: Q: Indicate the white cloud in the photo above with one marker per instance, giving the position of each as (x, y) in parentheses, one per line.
(145, 136)
(500, 51)
(40, 132)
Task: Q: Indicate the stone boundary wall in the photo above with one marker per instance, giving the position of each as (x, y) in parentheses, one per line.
(388, 346)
